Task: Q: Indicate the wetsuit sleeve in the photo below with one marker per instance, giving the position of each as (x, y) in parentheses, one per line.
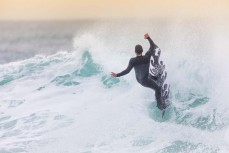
(127, 70)
(152, 48)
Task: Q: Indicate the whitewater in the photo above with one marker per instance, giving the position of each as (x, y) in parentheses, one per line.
(66, 102)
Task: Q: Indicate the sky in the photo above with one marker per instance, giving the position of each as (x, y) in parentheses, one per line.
(99, 9)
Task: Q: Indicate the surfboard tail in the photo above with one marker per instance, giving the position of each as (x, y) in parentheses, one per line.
(162, 113)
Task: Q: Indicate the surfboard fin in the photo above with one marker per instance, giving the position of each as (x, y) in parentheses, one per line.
(163, 113)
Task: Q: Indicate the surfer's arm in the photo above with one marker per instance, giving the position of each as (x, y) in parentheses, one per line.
(152, 44)
(152, 48)
(127, 70)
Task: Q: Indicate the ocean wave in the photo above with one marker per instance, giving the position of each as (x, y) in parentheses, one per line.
(67, 102)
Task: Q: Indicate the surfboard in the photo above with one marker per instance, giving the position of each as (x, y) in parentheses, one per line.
(158, 74)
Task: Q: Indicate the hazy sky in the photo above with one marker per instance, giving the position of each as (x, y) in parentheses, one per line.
(81, 9)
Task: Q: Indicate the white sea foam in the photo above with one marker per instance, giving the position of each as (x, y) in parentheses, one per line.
(66, 102)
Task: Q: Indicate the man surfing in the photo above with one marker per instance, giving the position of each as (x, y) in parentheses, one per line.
(149, 72)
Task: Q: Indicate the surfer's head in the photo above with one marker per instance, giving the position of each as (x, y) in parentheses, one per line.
(138, 49)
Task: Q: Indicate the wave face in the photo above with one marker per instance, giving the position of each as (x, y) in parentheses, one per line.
(68, 103)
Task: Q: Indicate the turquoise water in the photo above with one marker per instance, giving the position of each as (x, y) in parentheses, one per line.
(57, 95)
(91, 85)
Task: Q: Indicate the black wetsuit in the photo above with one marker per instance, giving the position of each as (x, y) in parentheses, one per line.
(141, 66)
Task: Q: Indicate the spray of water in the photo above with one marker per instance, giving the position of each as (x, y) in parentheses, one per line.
(67, 102)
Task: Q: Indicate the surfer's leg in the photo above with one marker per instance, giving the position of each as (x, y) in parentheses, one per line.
(159, 99)
(158, 94)
(152, 85)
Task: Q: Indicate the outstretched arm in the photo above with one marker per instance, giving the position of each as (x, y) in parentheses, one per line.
(153, 46)
(126, 71)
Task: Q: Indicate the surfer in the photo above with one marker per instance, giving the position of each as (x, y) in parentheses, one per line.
(141, 65)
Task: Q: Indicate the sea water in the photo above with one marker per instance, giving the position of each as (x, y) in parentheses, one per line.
(57, 96)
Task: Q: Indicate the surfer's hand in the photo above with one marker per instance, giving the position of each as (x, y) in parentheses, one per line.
(113, 75)
(146, 36)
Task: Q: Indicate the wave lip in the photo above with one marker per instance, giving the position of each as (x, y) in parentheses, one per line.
(69, 98)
